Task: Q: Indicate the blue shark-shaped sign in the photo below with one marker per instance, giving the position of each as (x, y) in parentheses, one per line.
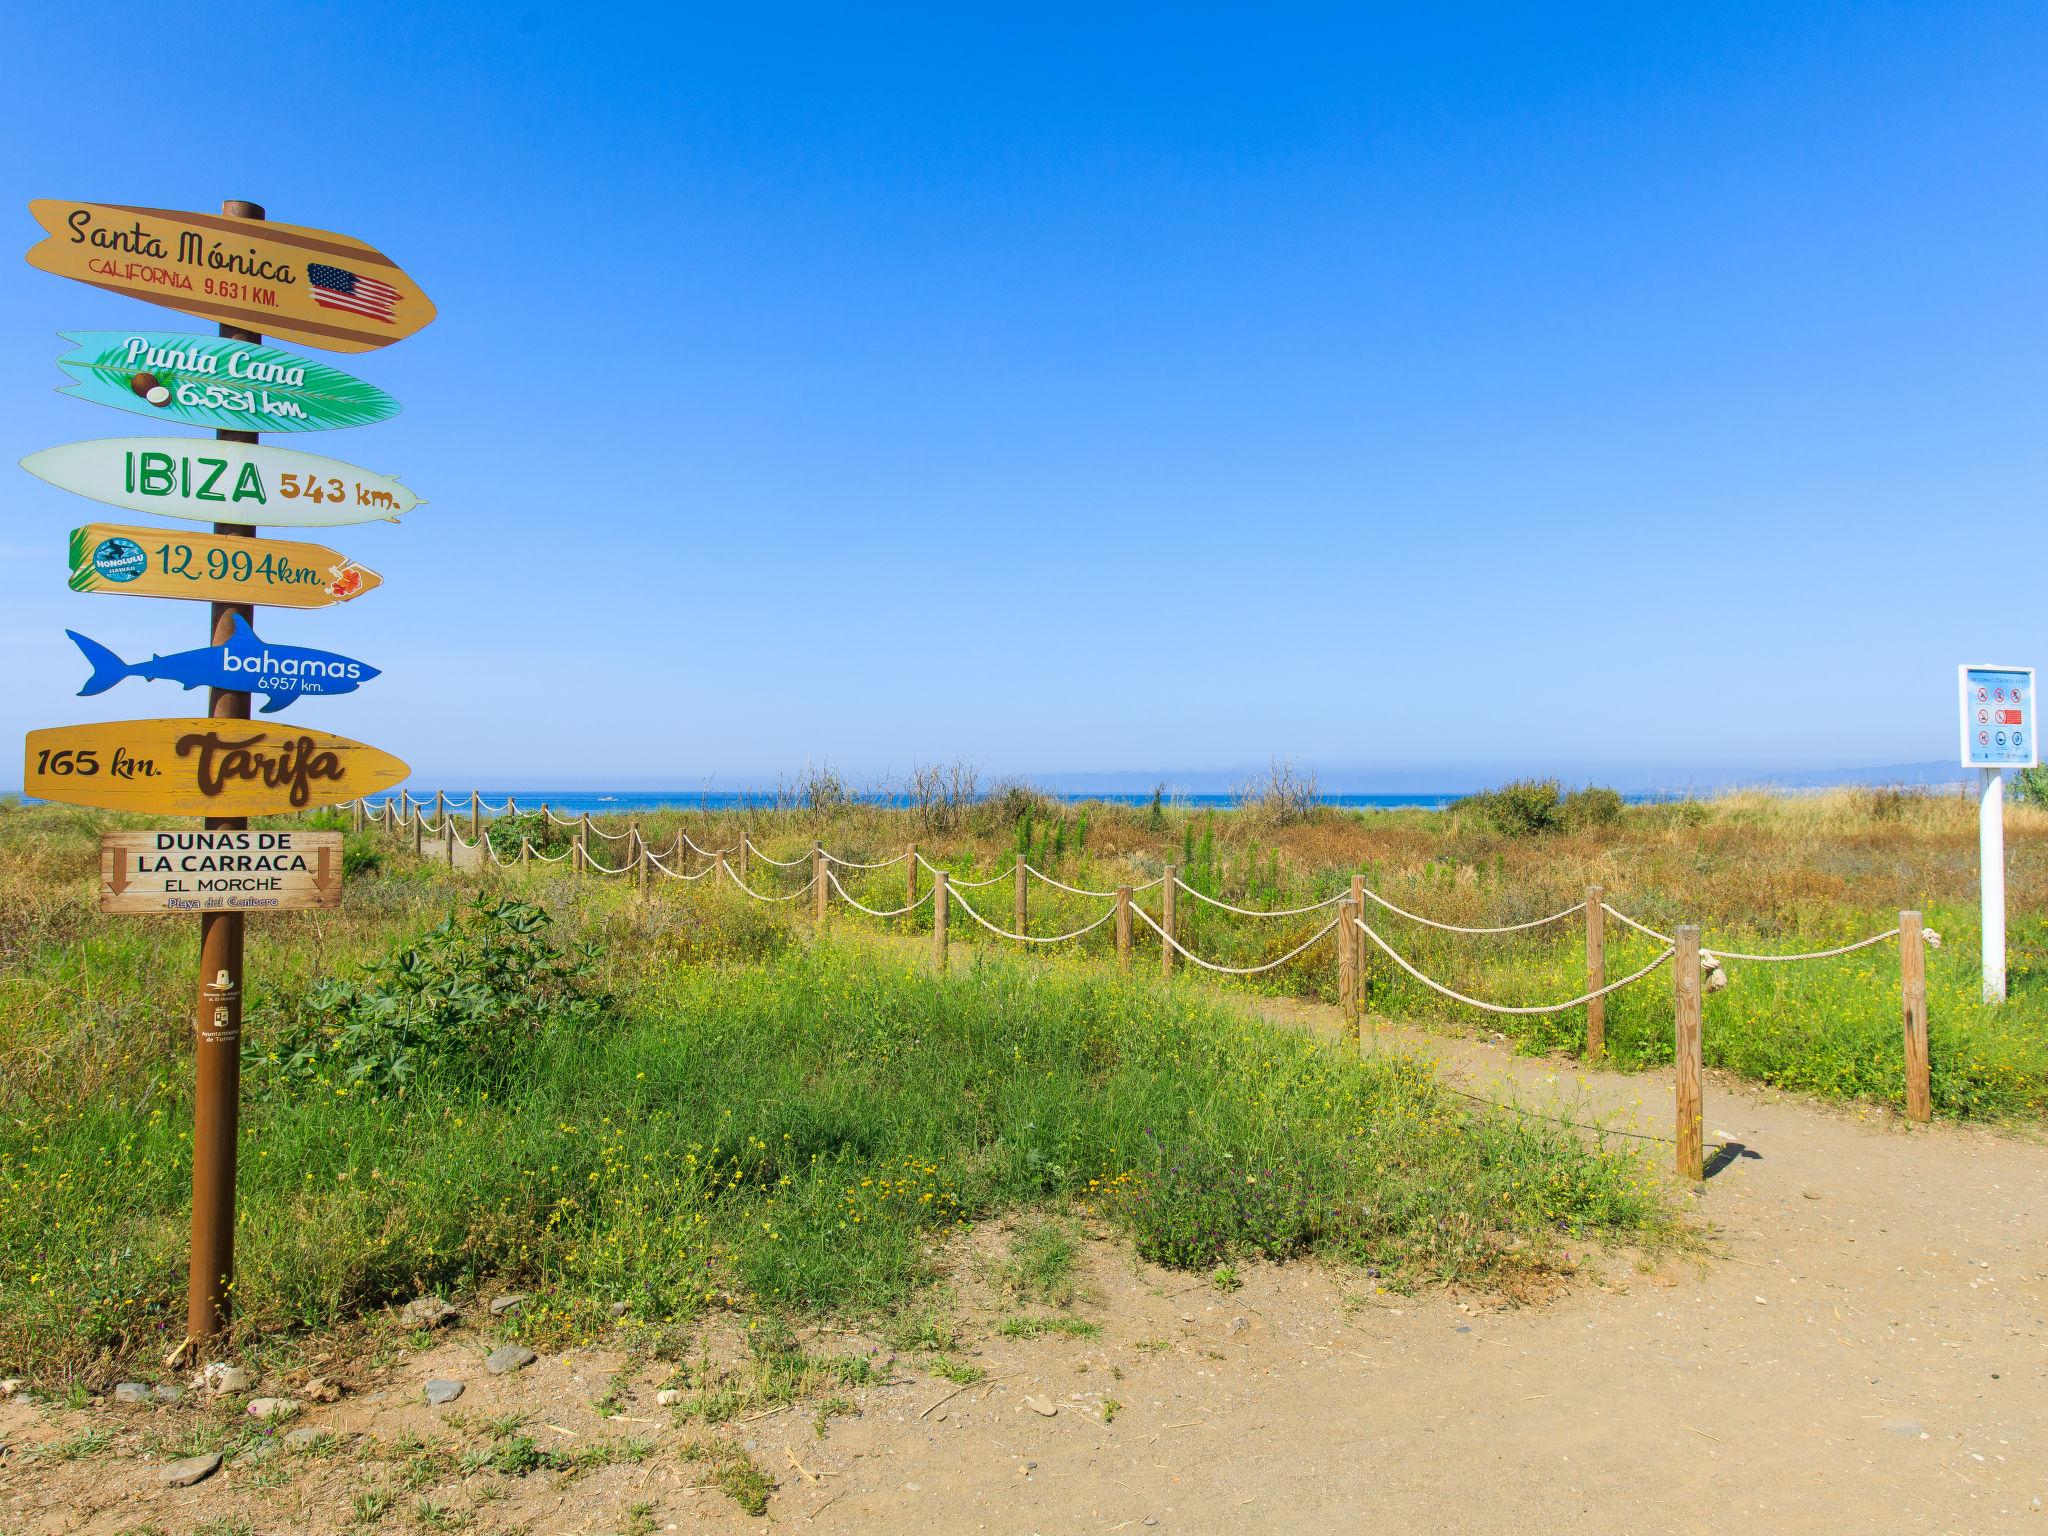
(281, 673)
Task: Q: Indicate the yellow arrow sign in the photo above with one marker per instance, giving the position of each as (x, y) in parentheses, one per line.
(306, 285)
(201, 767)
(211, 567)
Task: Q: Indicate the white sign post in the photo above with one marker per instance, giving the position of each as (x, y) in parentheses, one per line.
(1999, 732)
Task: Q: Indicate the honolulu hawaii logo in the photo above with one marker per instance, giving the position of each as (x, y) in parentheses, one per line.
(119, 559)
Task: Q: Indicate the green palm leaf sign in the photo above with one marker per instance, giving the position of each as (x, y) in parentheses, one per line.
(206, 381)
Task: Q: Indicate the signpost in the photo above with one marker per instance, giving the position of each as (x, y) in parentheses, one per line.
(202, 381)
(180, 871)
(1999, 731)
(224, 765)
(305, 285)
(282, 673)
(189, 477)
(153, 562)
(253, 277)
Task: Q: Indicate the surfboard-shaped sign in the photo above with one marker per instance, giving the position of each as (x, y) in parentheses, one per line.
(223, 482)
(206, 381)
(283, 674)
(283, 280)
(213, 568)
(202, 767)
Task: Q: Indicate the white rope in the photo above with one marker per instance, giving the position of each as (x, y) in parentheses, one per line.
(590, 862)
(1029, 938)
(1715, 952)
(543, 857)
(1234, 970)
(792, 896)
(676, 874)
(1580, 1001)
(849, 864)
(778, 863)
(1661, 938)
(872, 912)
(1818, 954)
(954, 880)
(1249, 912)
(709, 853)
(1534, 922)
(1076, 890)
(616, 837)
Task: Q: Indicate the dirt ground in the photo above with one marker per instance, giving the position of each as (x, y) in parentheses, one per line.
(1865, 1349)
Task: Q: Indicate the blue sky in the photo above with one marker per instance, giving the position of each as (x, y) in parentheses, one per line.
(1636, 392)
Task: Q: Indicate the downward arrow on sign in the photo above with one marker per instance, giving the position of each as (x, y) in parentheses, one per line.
(118, 880)
(320, 873)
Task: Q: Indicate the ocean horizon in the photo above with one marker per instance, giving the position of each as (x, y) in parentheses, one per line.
(611, 802)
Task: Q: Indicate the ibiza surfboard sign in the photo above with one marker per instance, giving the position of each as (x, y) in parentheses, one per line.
(207, 381)
(280, 280)
(213, 568)
(223, 482)
(202, 767)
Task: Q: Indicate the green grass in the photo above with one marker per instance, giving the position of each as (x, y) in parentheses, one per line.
(789, 1137)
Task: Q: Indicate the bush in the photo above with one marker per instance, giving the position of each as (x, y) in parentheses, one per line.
(1520, 808)
(1594, 806)
(464, 1002)
(2030, 785)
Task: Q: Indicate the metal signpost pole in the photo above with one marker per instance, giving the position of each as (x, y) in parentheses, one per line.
(1991, 877)
(218, 1046)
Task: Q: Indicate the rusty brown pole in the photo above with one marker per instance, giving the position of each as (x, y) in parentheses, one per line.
(217, 1048)
(1168, 908)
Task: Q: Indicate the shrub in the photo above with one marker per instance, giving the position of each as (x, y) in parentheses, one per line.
(1594, 806)
(1519, 808)
(464, 1002)
(2030, 785)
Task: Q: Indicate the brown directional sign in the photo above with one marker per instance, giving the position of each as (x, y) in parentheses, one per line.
(278, 280)
(159, 562)
(202, 767)
(183, 871)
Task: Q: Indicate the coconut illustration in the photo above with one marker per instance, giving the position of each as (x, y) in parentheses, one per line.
(151, 388)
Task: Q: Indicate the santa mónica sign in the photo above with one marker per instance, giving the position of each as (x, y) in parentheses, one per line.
(305, 285)
(223, 482)
(212, 567)
(206, 381)
(219, 871)
(201, 767)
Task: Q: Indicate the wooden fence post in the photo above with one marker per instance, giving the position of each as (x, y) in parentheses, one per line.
(476, 813)
(440, 806)
(939, 921)
(448, 841)
(743, 855)
(1596, 971)
(639, 846)
(583, 834)
(1913, 1004)
(910, 861)
(1356, 943)
(1686, 1008)
(1123, 928)
(419, 833)
(1347, 959)
(524, 847)
(1169, 905)
(511, 809)
(579, 855)
(818, 886)
(1020, 906)
(355, 818)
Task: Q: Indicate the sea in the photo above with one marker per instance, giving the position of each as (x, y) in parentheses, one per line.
(620, 802)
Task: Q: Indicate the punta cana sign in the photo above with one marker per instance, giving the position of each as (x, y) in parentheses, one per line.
(201, 767)
(204, 381)
(305, 285)
(213, 568)
(223, 482)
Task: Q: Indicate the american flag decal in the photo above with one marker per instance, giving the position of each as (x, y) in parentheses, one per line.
(339, 288)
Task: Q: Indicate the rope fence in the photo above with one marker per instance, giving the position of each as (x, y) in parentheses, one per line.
(1696, 968)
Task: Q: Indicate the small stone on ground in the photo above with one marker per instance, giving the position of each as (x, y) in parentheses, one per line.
(500, 1305)
(193, 1469)
(441, 1390)
(507, 1358)
(426, 1312)
(132, 1392)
